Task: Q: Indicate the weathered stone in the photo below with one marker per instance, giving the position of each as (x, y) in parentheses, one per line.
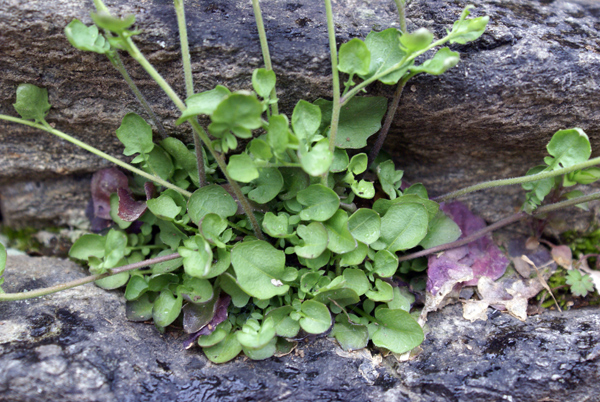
(534, 71)
(78, 346)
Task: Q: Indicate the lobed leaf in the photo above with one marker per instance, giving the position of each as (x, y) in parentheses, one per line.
(320, 203)
(443, 60)
(386, 52)
(32, 102)
(86, 38)
(203, 103)
(263, 82)
(354, 57)
(314, 238)
(135, 134)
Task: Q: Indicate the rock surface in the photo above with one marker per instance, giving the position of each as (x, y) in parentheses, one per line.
(534, 71)
(77, 346)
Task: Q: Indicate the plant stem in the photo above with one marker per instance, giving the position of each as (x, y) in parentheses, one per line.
(389, 118)
(335, 114)
(501, 223)
(46, 127)
(518, 180)
(83, 281)
(135, 53)
(189, 84)
(116, 61)
(393, 68)
(401, 5)
(264, 45)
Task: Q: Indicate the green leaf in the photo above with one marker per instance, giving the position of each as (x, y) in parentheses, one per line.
(354, 257)
(385, 263)
(257, 339)
(260, 149)
(182, 156)
(363, 189)
(354, 57)
(203, 103)
(88, 245)
(196, 290)
(259, 268)
(225, 350)
(220, 332)
(314, 238)
(417, 189)
(350, 336)
(113, 24)
(358, 163)
(404, 226)
(114, 248)
(239, 298)
(356, 280)
(263, 82)
(320, 203)
(158, 162)
(197, 263)
(238, 113)
(340, 239)
(86, 38)
(263, 353)
(294, 180)
(135, 134)
(140, 309)
(211, 199)
(241, 168)
(113, 282)
(442, 230)
(164, 207)
(389, 178)
(166, 308)
(467, 30)
(443, 60)
(268, 184)
(365, 225)
(277, 225)
(580, 284)
(167, 266)
(284, 325)
(385, 52)
(397, 331)
(318, 160)
(316, 318)
(586, 176)
(418, 40)
(136, 287)
(32, 102)
(278, 133)
(221, 264)
(212, 226)
(382, 205)
(340, 161)
(306, 119)
(384, 292)
(403, 299)
(360, 118)
(568, 147)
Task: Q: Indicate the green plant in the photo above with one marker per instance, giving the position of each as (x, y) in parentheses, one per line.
(258, 248)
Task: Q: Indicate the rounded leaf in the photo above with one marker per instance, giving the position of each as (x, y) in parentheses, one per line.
(320, 203)
(211, 199)
(397, 331)
(316, 318)
(404, 226)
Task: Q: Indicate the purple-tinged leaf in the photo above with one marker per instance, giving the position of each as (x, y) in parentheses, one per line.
(482, 258)
(104, 183)
(150, 190)
(129, 209)
(97, 225)
(219, 315)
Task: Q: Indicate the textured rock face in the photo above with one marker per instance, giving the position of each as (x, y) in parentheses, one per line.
(77, 346)
(533, 72)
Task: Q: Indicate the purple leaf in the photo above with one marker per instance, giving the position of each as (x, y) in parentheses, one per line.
(482, 258)
(150, 190)
(219, 315)
(104, 183)
(129, 209)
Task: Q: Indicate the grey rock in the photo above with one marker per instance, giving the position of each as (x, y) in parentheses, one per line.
(78, 346)
(533, 72)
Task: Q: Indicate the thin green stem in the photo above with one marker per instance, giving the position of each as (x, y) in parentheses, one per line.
(239, 228)
(189, 83)
(95, 151)
(135, 53)
(116, 61)
(401, 5)
(390, 70)
(335, 115)
(518, 180)
(83, 281)
(501, 223)
(264, 45)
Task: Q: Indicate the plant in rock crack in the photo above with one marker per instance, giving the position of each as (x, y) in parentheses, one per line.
(253, 251)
